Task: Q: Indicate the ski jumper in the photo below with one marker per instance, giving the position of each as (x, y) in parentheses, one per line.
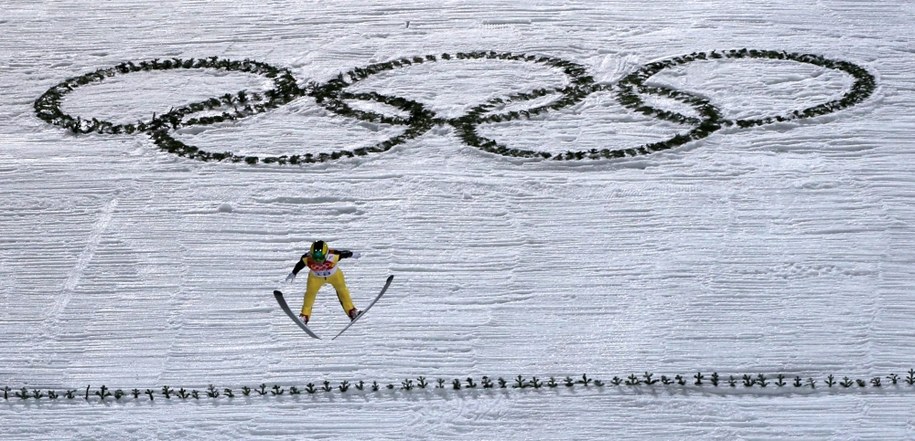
(321, 273)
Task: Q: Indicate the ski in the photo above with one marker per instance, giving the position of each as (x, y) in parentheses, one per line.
(279, 299)
(387, 283)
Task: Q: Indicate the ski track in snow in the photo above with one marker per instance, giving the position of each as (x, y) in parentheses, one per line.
(82, 262)
(785, 248)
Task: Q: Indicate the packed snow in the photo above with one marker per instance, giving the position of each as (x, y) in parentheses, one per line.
(785, 248)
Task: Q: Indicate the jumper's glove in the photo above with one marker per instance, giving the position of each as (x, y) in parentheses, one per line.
(290, 278)
(356, 255)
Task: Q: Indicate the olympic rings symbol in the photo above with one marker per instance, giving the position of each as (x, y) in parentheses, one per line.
(334, 95)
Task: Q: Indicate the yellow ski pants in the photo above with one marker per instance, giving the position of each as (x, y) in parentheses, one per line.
(315, 283)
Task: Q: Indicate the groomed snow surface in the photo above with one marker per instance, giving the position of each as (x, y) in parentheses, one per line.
(786, 248)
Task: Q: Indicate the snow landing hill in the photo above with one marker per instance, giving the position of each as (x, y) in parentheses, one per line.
(606, 220)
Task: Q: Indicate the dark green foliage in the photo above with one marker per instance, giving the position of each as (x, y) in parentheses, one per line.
(47, 107)
(421, 383)
(103, 392)
(407, 385)
(648, 380)
(333, 96)
(748, 381)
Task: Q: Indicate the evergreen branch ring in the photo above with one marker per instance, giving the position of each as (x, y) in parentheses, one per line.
(333, 96)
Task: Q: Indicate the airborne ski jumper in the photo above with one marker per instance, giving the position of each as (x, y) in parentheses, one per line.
(322, 261)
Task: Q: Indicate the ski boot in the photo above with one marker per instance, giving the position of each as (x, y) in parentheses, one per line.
(353, 313)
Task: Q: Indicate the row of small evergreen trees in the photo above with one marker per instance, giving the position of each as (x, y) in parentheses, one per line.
(647, 379)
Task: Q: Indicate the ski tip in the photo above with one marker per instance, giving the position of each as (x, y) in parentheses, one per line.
(277, 292)
(391, 277)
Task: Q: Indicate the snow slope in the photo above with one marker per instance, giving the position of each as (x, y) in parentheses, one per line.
(780, 249)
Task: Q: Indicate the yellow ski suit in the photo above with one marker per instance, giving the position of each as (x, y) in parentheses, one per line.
(321, 273)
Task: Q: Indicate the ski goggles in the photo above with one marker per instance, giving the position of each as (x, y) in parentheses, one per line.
(318, 256)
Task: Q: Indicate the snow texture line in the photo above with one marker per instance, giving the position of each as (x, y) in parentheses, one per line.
(82, 262)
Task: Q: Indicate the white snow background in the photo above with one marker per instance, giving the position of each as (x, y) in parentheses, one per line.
(780, 249)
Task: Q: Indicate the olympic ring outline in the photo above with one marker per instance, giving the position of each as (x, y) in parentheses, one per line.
(47, 106)
(578, 81)
(862, 88)
(332, 96)
(704, 127)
